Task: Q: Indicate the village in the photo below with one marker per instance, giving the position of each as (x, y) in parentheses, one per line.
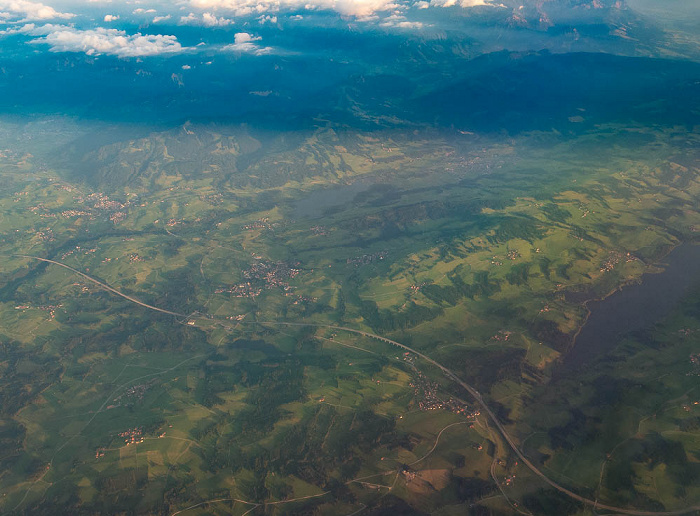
(91, 206)
(426, 391)
(367, 259)
(263, 223)
(263, 275)
(51, 309)
(614, 258)
(132, 435)
(319, 230)
(132, 395)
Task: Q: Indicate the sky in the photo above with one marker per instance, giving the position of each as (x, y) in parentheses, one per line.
(135, 29)
(147, 28)
(177, 59)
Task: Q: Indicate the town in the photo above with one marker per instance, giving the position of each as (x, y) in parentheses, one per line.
(426, 391)
(263, 275)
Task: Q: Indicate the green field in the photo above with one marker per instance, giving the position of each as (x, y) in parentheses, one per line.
(460, 247)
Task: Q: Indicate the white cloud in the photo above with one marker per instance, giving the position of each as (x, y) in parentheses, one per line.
(212, 21)
(206, 20)
(141, 10)
(245, 43)
(26, 10)
(363, 10)
(460, 3)
(360, 8)
(190, 19)
(157, 19)
(266, 18)
(31, 29)
(111, 17)
(106, 41)
(400, 22)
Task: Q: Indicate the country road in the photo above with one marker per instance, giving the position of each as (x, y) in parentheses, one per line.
(448, 373)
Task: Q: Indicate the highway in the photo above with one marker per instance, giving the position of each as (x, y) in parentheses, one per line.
(447, 372)
(103, 285)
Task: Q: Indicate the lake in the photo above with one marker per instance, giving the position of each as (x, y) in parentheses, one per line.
(637, 306)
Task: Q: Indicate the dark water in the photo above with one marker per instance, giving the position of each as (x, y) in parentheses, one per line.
(636, 307)
(316, 203)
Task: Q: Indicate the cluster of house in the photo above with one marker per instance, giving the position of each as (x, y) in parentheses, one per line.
(695, 361)
(366, 259)
(427, 393)
(131, 395)
(263, 223)
(263, 275)
(132, 436)
(319, 230)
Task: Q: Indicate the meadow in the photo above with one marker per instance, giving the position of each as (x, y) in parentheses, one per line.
(473, 251)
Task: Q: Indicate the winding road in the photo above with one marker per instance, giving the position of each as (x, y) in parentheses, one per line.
(448, 373)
